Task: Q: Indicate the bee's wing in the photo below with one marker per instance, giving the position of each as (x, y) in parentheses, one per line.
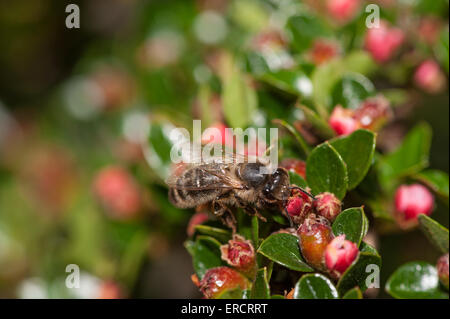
(212, 176)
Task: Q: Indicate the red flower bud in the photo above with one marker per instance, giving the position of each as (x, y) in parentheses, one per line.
(218, 134)
(442, 268)
(314, 235)
(342, 121)
(218, 280)
(299, 206)
(429, 77)
(373, 113)
(239, 253)
(110, 290)
(340, 254)
(343, 10)
(412, 200)
(323, 51)
(117, 191)
(294, 165)
(383, 42)
(196, 219)
(327, 205)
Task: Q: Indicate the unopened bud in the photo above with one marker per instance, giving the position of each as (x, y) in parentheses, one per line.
(342, 121)
(314, 235)
(429, 77)
(217, 281)
(412, 200)
(299, 206)
(327, 205)
(340, 254)
(239, 253)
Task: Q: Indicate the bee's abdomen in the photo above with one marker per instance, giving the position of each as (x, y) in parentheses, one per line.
(188, 191)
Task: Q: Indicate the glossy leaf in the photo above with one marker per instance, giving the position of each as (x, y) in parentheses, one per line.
(304, 29)
(436, 180)
(358, 272)
(410, 157)
(205, 253)
(354, 293)
(284, 250)
(357, 151)
(415, 280)
(353, 223)
(324, 78)
(260, 287)
(298, 138)
(351, 90)
(297, 180)
(326, 171)
(315, 286)
(317, 122)
(292, 81)
(435, 232)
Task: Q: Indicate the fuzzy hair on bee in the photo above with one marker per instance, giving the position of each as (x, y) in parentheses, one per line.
(225, 183)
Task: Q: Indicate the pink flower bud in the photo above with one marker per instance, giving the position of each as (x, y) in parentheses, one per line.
(429, 77)
(340, 254)
(412, 200)
(218, 280)
(314, 235)
(442, 268)
(117, 191)
(239, 253)
(342, 121)
(323, 51)
(295, 165)
(218, 134)
(383, 42)
(373, 112)
(110, 290)
(327, 205)
(343, 10)
(299, 206)
(196, 219)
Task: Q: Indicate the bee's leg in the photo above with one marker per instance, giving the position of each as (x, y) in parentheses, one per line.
(222, 211)
(254, 212)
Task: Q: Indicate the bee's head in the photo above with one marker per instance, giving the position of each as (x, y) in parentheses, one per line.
(277, 186)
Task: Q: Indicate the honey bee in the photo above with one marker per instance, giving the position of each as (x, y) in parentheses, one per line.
(225, 184)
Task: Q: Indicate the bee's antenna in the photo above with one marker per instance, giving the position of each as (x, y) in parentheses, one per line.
(303, 191)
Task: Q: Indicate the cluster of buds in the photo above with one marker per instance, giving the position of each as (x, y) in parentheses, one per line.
(383, 42)
(327, 205)
(429, 77)
(412, 200)
(219, 280)
(299, 206)
(239, 253)
(371, 114)
(442, 268)
(117, 192)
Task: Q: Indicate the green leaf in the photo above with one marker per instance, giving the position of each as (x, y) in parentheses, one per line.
(294, 82)
(220, 234)
(436, 180)
(159, 146)
(410, 157)
(239, 99)
(304, 28)
(415, 280)
(358, 272)
(296, 179)
(435, 232)
(324, 78)
(260, 288)
(317, 122)
(442, 49)
(351, 90)
(354, 293)
(359, 62)
(205, 253)
(326, 171)
(284, 250)
(315, 286)
(299, 139)
(366, 248)
(357, 151)
(353, 223)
